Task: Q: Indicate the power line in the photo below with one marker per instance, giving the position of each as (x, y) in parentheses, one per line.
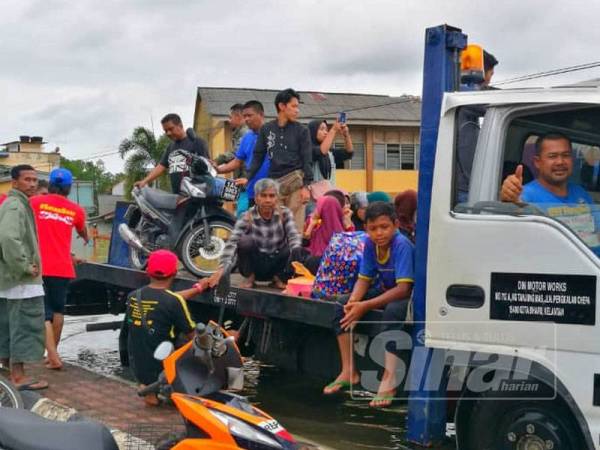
(549, 73)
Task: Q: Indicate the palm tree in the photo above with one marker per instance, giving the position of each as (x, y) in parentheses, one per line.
(143, 152)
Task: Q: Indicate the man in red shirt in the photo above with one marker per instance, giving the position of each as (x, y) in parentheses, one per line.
(55, 217)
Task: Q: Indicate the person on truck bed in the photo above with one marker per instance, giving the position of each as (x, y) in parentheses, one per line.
(264, 240)
(173, 160)
(468, 120)
(286, 143)
(385, 282)
(552, 191)
(155, 314)
(254, 115)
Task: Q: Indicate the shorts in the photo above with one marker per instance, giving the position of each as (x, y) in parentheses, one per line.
(56, 295)
(22, 329)
(392, 317)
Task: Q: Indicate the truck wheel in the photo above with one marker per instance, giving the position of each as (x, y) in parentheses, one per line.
(521, 424)
(200, 261)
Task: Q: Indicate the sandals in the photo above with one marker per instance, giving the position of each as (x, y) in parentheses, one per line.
(337, 386)
(34, 385)
(382, 401)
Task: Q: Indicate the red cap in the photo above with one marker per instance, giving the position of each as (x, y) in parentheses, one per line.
(162, 264)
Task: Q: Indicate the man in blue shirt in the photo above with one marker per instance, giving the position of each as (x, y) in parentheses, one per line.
(385, 282)
(254, 116)
(551, 190)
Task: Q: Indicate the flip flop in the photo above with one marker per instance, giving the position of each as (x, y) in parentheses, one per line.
(387, 399)
(341, 385)
(35, 385)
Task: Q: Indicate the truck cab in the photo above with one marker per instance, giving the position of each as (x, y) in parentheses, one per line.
(511, 288)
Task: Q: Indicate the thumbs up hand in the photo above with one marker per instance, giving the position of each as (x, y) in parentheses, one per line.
(512, 186)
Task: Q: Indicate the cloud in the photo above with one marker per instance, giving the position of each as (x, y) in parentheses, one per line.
(85, 74)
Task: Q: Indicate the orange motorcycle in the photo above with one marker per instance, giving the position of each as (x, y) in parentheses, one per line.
(195, 377)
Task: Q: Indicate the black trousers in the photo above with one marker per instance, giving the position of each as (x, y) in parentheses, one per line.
(264, 267)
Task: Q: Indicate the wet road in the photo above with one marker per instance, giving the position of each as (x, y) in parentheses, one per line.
(338, 423)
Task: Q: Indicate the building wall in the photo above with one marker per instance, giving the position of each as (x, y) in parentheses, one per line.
(370, 179)
(217, 134)
(40, 161)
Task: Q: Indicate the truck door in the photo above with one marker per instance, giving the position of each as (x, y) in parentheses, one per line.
(519, 279)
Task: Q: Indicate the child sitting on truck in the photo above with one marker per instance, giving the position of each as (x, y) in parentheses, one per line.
(155, 314)
(385, 282)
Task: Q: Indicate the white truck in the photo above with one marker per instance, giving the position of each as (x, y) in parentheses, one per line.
(511, 289)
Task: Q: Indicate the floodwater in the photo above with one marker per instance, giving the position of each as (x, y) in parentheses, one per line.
(339, 422)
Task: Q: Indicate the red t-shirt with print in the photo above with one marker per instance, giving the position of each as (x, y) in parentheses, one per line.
(2, 198)
(55, 218)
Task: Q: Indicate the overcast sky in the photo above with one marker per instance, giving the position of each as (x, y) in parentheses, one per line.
(83, 74)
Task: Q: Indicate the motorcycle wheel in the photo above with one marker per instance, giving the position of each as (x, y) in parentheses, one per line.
(199, 261)
(10, 397)
(137, 258)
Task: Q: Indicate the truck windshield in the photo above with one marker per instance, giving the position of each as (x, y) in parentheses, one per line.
(550, 166)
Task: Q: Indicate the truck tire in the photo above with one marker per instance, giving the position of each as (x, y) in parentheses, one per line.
(519, 423)
(197, 260)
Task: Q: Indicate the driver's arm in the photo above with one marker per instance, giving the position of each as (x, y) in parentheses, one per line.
(153, 175)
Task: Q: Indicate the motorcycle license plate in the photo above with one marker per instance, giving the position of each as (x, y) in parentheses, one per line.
(231, 191)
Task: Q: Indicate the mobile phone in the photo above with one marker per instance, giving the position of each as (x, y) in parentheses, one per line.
(342, 117)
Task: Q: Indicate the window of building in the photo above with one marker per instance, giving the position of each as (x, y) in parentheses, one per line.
(395, 156)
(358, 157)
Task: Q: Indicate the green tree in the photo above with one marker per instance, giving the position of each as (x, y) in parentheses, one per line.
(91, 171)
(143, 152)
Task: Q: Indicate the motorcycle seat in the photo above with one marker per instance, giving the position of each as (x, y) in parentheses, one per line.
(23, 430)
(160, 199)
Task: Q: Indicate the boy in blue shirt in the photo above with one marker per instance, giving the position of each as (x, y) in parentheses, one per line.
(388, 262)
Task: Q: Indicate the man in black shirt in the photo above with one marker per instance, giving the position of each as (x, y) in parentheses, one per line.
(286, 142)
(155, 314)
(173, 159)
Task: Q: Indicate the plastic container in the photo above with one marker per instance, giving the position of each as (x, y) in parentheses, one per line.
(302, 285)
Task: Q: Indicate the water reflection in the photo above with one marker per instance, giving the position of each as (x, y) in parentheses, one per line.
(338, 422)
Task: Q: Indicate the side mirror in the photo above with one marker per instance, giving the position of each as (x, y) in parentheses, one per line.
(163, 350)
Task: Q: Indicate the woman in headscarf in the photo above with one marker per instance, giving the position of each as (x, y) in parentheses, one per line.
(379, 196)
(406, 212)
(327, 220)
(324, 157)
(358, 205)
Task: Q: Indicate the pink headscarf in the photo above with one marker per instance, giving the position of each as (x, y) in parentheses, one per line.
(330, 212)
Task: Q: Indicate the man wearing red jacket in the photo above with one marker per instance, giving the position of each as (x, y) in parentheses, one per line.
(56, 216)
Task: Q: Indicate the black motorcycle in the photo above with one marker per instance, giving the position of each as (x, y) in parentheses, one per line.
(194, 224)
